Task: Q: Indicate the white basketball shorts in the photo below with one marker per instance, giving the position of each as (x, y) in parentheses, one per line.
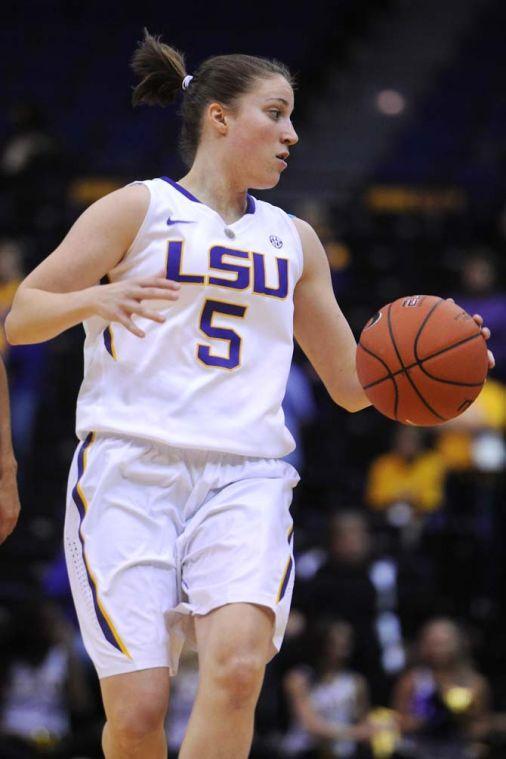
(155, 535)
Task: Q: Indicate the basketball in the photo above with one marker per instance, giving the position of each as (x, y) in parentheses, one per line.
(422, 360)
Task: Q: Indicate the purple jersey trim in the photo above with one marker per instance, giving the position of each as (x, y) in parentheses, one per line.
(250, 202)
(182, 190)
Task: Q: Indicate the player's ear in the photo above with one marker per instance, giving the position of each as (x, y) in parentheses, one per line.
(217, 115)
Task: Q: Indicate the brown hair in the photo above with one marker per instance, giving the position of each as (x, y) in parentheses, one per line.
(222, 78)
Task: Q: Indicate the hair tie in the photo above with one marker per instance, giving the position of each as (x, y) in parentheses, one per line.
(186, 82)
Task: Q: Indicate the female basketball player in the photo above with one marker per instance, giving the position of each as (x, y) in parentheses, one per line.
(178, 518)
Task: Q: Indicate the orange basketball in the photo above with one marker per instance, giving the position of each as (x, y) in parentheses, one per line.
(422, 360)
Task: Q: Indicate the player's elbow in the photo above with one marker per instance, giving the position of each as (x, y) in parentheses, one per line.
(11, 332)
(354, 406)
(16, 330)
(351, 402)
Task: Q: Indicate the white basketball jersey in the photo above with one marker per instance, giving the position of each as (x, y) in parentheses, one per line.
(213, 376)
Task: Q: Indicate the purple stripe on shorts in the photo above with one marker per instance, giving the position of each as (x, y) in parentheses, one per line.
(285, 581)
(288, 570)
(78, 500)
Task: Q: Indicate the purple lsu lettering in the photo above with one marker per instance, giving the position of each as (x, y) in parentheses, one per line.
(242, 272)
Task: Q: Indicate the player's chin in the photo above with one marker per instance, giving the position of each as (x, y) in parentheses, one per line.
(267, 182)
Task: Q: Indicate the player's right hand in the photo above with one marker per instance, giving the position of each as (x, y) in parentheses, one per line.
(119, 301)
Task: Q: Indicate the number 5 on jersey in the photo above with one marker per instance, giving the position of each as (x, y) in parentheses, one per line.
(212, 307)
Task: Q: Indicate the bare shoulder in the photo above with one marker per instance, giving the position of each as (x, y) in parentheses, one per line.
(131, 195)
(306, 232)
(128, 204)
(118, 214)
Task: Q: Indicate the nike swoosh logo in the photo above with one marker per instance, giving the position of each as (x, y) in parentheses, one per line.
(178, 221)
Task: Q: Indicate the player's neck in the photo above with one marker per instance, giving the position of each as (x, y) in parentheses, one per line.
(211, 187)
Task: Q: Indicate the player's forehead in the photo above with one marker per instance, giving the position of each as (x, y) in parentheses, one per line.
(274, 89)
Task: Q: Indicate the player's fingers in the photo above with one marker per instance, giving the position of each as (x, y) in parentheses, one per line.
(163, 282)
(478, 319)
(156, 293)
(485, 332)
(153, 315)
(133, 307)
(125, 320)
(451, 300)
(491, 360)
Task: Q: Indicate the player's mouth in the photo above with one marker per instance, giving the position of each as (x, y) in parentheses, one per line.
(282, 158)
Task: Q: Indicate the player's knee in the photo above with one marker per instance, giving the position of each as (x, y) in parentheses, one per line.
(130, 723)
(239, 677)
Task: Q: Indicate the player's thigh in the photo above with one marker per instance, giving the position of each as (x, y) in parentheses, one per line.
(136, 701)
(238, 553)
(121, 529)
(235, 634)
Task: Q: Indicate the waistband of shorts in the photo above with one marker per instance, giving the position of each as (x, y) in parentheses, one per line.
(182, 453)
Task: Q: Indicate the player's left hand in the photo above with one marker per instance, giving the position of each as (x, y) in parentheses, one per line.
(9, 501)
(486, 334)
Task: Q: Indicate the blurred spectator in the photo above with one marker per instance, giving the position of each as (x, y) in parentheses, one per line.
(354, 585)
(329, 703)
(41, 683)
(482, 294)
(475, 439)
(407, 482)
(31, 172)
(442, 701)
(271, 716)
(28, 143)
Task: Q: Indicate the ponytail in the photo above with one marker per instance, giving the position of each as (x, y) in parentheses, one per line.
(161, 70)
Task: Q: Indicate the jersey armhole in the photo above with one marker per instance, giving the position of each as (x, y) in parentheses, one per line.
(144, 222)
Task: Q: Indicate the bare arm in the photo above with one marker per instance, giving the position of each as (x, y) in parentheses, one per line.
(9, 499)
(63, 290)
(320, 327)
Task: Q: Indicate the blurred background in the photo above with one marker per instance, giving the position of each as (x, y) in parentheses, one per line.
(396, 642)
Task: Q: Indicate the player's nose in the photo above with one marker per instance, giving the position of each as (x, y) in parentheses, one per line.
(290, 136)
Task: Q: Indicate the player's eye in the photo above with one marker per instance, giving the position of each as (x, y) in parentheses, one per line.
(275, 113)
